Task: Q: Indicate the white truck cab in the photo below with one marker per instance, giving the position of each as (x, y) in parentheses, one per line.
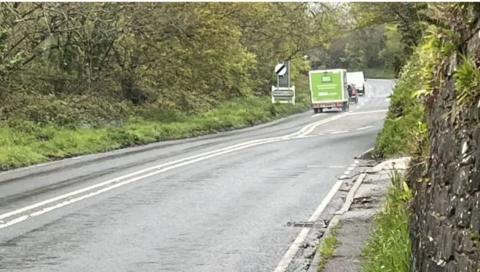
(357, 79)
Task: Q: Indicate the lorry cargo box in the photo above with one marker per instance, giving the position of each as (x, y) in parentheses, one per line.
(328, 89)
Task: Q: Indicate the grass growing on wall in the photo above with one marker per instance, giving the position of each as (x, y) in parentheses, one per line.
(405, 128)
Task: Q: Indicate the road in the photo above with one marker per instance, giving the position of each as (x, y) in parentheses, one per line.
(213, 203)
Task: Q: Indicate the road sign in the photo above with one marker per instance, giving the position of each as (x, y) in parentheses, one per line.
(283, 74)
(283, 92)
(281, 69)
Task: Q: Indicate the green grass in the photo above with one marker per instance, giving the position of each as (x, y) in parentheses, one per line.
(467, 82)
(26, 143)
(389, 249)
(328, 247)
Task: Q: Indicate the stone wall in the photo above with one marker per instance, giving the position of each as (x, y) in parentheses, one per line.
(445, 227)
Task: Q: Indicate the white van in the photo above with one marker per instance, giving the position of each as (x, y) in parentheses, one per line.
(357, 80)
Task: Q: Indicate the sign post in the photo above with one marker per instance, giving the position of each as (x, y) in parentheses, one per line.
(284, 92)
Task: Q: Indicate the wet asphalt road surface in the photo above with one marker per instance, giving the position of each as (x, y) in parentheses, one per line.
(212, 203)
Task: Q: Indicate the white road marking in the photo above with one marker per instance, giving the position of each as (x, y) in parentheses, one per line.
(14, 221)
(363, 154)
(325, 166)
(340, 132)
(42, 203)
(366, 112)
(365, 127)
(302, 137)
(295, 246)
(310, 127)
(115, 185)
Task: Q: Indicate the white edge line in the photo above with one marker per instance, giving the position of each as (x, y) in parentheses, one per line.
(339, 132)
(366, 112)
(363, 154)
(76, 192)
(365, 127)
(295, 246)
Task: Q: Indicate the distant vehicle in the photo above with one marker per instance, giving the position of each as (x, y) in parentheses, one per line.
(352, 93)
(329, 89)
(357, 80)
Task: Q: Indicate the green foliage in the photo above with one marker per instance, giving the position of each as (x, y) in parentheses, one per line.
(352, 49)
(467, 82)
(96, 65)
(186, 57)
(437, 45)
(393, 54)
(408, 17)
(7, 63)
(68, 111)
(389, 248)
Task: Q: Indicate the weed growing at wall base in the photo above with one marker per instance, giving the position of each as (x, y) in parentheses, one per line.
(389, 249)
(328, 247)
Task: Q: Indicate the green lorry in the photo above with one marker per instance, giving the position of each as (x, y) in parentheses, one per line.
(329, 89)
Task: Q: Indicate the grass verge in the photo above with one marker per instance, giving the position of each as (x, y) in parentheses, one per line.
(389, 249)
(27, 143)
(328, 247)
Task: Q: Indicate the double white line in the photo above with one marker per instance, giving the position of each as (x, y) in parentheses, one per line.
(99, 188)
(39, 208)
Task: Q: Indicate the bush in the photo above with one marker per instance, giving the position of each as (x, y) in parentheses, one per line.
(66, 111)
